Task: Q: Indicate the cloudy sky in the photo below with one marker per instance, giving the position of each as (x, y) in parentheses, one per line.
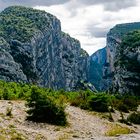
(86, 20)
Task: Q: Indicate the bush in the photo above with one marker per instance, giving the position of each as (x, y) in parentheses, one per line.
(122, 107)
(79, 102)
(81, 99)
(125, 103)
(134, 118)
(99, 103)
(131, 102)
(43, 108)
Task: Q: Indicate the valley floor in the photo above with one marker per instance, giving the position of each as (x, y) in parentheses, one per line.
(82, 125)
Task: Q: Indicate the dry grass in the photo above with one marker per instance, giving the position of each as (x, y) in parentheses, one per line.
(116, 129)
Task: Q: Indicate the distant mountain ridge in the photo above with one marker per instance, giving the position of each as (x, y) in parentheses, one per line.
(95, 73)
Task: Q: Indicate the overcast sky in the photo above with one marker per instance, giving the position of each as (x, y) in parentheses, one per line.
(86, 20)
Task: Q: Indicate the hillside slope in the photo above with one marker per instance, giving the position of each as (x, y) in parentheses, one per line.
(83, 125)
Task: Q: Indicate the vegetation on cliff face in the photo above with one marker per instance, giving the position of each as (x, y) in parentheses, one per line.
(128, 61)
(131, 40)
(21, 23)
(120, 29)
(128, 46)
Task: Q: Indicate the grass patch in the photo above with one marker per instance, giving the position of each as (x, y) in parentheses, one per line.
(10, 133)
(2, 137)
(118, 130)
(65, 136)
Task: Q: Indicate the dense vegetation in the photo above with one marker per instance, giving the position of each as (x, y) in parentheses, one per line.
(134, 118)
(43, 108)
(131, 40)
(47, 105)
(85, 99)
(121, 29)
(128, 60)
(21, 23)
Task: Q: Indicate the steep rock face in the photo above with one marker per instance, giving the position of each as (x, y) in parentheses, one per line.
(9, 69)
(95, 73)
(127, 65)
(114, 39)
(37, 51)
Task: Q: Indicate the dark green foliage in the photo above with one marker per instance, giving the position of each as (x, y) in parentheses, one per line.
(127, 60)
(131, 40)
(81, 99)
(13, 91)
(131, 102)
(43, 108)
(119, 30)
(88, 100)
(21, 23)
(122, 107)
(134, 118)
(84, 99)
(99, 103)
(125, 103)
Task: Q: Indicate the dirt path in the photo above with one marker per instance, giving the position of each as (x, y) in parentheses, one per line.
(82, 125)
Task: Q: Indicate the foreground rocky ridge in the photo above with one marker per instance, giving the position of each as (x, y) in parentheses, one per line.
(33, 49)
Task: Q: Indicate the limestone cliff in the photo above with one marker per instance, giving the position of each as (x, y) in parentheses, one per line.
(105, 70)
(114, 45)
(34, 49)
(127, 65)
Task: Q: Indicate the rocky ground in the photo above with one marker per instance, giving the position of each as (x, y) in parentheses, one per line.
(82, 125)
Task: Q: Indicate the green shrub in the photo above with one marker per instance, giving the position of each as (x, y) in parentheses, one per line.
(79, 102)
(14, 91)
(125, 103)
(134, 118)
(81, 99)
(122, 107)
(43, 108)
(131, 102)
(99, 103)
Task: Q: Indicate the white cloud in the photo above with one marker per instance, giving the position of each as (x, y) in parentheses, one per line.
(90, 23)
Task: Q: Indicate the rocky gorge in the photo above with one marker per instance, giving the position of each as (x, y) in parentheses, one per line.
(51, 89)
(33, 49)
